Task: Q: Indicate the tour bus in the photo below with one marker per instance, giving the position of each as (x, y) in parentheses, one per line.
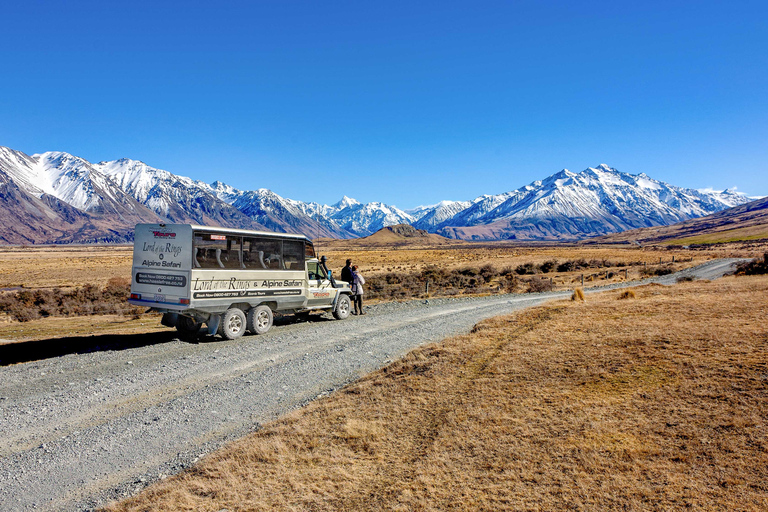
(231, 280)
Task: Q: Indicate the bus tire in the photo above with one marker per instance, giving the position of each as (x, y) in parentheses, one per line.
(187, 327)
(260, 319)
(232, 324)
(343, 307)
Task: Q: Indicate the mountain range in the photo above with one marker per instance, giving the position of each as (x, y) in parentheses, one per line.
(55, 197)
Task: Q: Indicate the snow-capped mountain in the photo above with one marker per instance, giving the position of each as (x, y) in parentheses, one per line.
(568, 205)
(61, 198)
(174, 198)
(69, 179)
(55, 197)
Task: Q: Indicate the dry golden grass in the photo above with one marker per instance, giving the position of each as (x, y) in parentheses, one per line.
(377, 260)
(42, 267)
(627, 294)
(659, 403)
(71, 266)
(578, 294)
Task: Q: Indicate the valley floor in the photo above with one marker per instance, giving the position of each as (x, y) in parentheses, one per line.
(657, 401)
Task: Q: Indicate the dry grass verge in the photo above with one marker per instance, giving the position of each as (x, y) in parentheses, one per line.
(659, 403)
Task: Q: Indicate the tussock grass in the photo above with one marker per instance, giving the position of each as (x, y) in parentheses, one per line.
(655, 405)
(627, 294)
(578, 295)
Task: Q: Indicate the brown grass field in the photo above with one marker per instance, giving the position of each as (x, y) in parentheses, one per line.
(69, 266)
(655, 402)
(33, 267)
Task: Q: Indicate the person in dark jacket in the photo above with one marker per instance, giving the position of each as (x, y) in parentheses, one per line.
(346, 273)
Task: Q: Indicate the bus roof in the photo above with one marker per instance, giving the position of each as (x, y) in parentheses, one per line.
(241, 232)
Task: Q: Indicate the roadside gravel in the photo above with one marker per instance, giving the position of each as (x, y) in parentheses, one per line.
(81, 430)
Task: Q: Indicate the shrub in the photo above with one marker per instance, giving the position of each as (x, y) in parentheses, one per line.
(526, 269)
(627, 294)
(488, 272)
(538, 285)
(548, 266)
(658, 271)
(754, 267)
(26, 305)
(684, 279)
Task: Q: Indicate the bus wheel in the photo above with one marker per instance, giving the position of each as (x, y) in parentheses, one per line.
(187, 327)
(342, 308)
(259, 319)
(232, 324)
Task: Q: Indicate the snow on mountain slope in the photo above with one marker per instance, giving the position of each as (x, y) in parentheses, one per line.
(605, 192)
(428, 217)
(225, 192)
(23, 170)
(72, 180)
(66, 177)
(365, 219)
(595, 201)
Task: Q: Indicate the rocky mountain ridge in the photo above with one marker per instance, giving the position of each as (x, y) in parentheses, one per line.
(55, 197)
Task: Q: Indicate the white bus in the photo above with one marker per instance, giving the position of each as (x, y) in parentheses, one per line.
(231, 280)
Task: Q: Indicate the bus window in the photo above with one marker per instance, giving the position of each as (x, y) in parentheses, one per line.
(309, 250)
(262, 253)
(315, 271)
(216, 251)
(293, 254)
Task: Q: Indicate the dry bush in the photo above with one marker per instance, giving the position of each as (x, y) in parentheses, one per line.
(660, 270)
(548, 266)
(755, 267)
(627, 294)
(578, 295)
(538, 285)
(527, 269)
(26, 305)
(654, 405)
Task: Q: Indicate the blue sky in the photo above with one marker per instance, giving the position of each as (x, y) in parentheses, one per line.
(407, 103)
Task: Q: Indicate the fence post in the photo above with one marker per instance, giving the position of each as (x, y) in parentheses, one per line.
(582, 280)
(426, 287)
(626, 273)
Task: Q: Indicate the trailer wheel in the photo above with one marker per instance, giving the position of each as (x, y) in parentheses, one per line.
(260, 319)
(232, 324)
(342, 308)
(187, 327)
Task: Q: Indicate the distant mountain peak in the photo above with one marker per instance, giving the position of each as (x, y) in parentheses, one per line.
(346, 202)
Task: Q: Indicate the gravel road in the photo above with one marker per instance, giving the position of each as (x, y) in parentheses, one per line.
(83, 429)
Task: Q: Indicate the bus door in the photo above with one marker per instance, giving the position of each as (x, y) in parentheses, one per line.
(321, 292)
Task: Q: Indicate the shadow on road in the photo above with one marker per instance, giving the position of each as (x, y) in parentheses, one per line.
(27, 351)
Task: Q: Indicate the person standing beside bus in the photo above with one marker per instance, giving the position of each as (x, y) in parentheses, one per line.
(346, 272)
(357, 291)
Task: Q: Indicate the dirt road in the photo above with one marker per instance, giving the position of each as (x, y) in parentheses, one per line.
(83, 429)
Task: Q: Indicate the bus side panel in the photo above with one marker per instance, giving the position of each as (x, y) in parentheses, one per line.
(162, 257)
(214, 290)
